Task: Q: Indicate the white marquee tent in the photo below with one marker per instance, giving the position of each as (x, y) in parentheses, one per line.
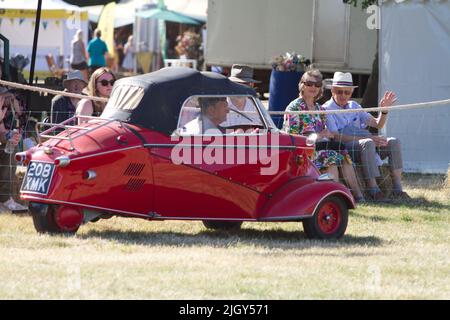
(59, 23)
(127, 8)
(415, 63)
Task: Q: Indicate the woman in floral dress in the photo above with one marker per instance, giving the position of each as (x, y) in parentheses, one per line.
(329, 154)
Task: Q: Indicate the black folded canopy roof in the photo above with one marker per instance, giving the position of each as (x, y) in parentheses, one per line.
(165, 91)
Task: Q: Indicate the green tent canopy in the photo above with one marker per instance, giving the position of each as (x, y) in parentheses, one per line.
(167, 15)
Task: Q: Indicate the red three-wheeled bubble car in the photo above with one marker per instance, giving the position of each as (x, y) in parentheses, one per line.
(185, 145)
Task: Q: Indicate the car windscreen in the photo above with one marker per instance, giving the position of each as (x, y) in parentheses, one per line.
(220, 114)
(267, 117)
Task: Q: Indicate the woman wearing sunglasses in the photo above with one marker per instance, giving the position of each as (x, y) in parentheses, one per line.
(100, 85)
(329, 154)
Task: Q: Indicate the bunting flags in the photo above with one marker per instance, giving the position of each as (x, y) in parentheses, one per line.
(22, 18)
(21, 21)
(74, 21)
(46, 14)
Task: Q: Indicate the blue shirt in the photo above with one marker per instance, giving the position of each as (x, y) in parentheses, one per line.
(338, 121)
(97, 49)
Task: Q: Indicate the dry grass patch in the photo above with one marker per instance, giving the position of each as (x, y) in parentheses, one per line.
(390, 251)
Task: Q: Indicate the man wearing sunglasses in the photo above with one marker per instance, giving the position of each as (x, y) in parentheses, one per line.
(362, 145)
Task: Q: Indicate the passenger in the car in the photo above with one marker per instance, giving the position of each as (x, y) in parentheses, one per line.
(214, 111)
(246, 112)
(242, 112)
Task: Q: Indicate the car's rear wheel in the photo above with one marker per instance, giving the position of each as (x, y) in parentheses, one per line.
(222, 225)
(56, 219)
(329, 220)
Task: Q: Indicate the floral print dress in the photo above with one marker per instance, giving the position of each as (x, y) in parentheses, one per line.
(304, 124)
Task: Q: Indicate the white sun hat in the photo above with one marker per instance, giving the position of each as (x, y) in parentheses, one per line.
(343, 80)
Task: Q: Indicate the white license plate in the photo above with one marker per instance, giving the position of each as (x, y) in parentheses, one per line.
(38, 178)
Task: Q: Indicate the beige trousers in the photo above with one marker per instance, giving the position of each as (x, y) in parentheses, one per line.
(363, 152)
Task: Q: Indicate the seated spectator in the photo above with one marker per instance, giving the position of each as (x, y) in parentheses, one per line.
(242, 74)
(213, 112)
(362, 145)
(100, 85)
(329, 154)
(63, 107)
(7, 160)
(6, 134)
(246, 113)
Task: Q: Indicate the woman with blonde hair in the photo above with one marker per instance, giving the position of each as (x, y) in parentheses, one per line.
(78, 55)
(100, 85)
(329, 154)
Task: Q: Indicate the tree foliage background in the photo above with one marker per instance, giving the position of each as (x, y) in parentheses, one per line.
(364, 3)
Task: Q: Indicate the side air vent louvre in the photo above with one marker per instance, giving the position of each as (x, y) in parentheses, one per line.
(134, 185)
(134, 169)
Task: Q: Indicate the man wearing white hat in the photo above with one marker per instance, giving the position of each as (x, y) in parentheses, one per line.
(362, 145)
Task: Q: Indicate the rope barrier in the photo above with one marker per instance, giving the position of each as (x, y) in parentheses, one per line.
(391, 108)
(50, 91)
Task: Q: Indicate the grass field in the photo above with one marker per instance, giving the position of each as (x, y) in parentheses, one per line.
(390, 251)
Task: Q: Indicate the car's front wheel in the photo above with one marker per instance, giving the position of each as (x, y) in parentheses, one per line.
(222, 225)
(329, 220)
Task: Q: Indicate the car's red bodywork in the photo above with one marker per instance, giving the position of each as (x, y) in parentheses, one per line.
(141, 180)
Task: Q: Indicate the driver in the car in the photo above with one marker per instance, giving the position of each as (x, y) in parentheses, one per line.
(214, 111)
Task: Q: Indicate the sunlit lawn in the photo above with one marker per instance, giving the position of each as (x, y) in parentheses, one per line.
(390, 251)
